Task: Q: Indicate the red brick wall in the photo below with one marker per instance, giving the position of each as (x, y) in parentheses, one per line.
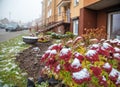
(88, 19)
(101, 19)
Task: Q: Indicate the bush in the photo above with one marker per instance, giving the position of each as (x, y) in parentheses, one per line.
(78, 65)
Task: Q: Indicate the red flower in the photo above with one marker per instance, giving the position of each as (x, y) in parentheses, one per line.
(107, 67)
(96, 71)
(78, 56)
(92, 56)
(104, 52)
(81, 76)
(65, 54)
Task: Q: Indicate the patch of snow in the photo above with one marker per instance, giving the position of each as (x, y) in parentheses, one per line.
(114, 41)
(95, 45)
(58, 67)
(64, 51)
(53, 52)
(118, 80)
(50, 47)
(103, 78)
(30, 37)
(76, 63)
(106, 45)
(106, 66)
(20, 43)
(113, 72)
(48, 51)
(117, 49)
(6, 85)
(116, 55)
(81, 74)
(91, 53)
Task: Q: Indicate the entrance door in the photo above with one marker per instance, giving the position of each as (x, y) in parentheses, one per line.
(113, 25)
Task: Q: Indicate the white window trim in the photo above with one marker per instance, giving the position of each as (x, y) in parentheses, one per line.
(74, 26)
(76, 2)
(109, 23)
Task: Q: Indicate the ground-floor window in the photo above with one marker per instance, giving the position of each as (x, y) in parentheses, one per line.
(75, 27)
(114, 24)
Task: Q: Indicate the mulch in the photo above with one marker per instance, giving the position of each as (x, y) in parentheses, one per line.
(29, 59)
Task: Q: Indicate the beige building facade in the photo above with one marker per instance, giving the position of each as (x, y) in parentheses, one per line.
(76, 15)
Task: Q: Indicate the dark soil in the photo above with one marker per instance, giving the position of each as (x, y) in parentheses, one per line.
(29, 59)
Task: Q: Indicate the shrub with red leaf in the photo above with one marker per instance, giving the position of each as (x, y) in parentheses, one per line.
(92, 56)
(107, 67)
(96, 70)
(81, 76)
(79, 56)
(65, 54)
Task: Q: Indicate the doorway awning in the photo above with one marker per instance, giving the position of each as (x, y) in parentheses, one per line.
(102, 4)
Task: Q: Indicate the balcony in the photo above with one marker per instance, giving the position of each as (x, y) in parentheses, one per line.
(63, 3)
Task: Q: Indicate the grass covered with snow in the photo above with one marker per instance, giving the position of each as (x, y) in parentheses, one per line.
(10, 73)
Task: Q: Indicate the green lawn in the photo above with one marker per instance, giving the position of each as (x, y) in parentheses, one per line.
(10, 73)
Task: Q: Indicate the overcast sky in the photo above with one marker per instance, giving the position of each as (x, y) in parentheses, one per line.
(20, 10)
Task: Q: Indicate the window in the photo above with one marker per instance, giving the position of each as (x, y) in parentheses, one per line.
(59, 10)
(49, 13)
(114, 24)
(76, 2)
(75, 27)
(49, 1)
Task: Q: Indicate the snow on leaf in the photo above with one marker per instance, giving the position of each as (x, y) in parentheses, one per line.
(113, 72)
(64, 51)
(106, 45)
(76, 63)
(81, 74)
(91, 53)
(106, 66)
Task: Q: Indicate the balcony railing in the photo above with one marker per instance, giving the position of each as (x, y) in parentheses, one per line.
(63, 16)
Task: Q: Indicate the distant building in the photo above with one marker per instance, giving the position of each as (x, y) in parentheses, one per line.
(76, 15)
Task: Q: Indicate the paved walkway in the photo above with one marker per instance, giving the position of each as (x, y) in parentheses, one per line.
(4, 36)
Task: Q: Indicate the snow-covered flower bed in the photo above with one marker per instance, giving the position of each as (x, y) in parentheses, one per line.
(77, 65)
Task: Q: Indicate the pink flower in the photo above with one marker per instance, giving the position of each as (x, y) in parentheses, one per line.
(107, 67)
(78, 56)
(96, 71)
(65, 54)
(92, 56)
(81, 76)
